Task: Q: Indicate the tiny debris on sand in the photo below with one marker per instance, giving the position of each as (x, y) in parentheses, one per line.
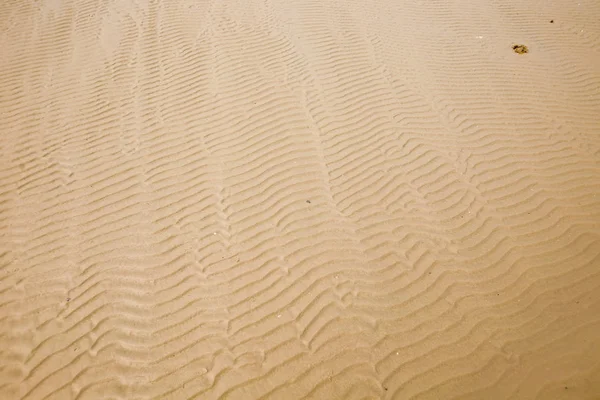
(520, 48)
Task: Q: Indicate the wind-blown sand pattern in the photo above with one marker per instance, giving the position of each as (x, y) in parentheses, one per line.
(312, 199)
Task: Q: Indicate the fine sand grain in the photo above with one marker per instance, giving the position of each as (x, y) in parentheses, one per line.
(299, 199)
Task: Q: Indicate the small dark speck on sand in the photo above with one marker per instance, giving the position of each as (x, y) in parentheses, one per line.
(520, 49)
(308, 201)
(551, 21)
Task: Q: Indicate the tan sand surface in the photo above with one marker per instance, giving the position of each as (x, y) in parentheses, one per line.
(299, 199)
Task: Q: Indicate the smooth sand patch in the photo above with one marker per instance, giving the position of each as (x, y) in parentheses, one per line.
(299, 199)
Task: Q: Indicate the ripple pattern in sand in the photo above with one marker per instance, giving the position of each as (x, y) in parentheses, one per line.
(299, 200)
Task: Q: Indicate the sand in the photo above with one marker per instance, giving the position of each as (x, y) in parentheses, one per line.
(312, 199)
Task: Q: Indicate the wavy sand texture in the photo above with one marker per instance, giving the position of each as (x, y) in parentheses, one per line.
(311, 199)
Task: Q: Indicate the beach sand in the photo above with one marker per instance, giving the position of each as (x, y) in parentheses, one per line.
(312, 199)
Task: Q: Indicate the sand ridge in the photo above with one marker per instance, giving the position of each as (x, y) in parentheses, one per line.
(307, 199)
